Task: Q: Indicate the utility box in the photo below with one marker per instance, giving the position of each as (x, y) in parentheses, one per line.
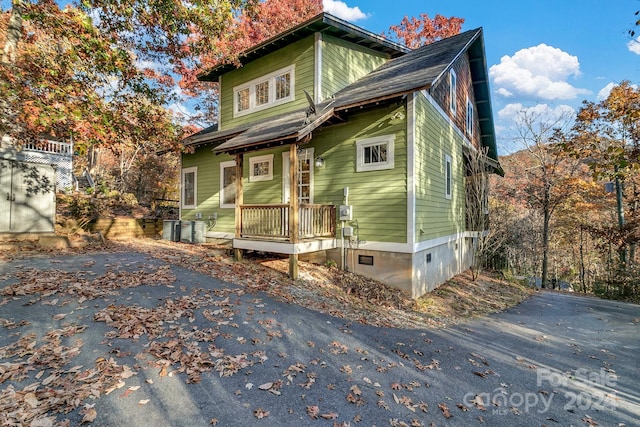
(169, 227)
(347, 232)
(193, 231)
(346, 213)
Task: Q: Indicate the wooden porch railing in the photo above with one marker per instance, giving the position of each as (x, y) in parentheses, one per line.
(272, 221)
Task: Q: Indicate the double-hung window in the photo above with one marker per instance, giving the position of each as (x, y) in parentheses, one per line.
(375, 153)
(448, 177)
(228, 184)
(189, 187)
(453, 89)
(267, 91)
(469, 128)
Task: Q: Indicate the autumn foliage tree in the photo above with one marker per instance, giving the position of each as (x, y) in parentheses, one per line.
(415, 32)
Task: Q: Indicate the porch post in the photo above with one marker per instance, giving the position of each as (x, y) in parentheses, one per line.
(239, 201)
(293, 208)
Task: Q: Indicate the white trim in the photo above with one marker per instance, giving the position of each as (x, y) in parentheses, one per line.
(317, 83)
(251, 85)
(406, 248)
(448, 176)
(361, 166)
(453, 92)
(223, 166)
(445, 116)
(185, 171)
(411, 170)
(285, 247)
(261, 159)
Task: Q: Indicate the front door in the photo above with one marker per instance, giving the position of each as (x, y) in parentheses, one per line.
(305, 189)
(305, 177)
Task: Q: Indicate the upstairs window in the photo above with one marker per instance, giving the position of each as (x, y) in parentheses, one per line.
(375, 153)
(264, 92)
(469, 118)
(453, 90)
(242, 99)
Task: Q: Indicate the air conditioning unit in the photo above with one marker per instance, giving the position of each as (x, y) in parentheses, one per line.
(193, 231)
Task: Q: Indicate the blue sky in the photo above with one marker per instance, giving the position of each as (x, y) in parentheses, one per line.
(545, 55)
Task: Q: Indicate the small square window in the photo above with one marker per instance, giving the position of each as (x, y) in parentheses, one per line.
(261, 168)
(375, 153)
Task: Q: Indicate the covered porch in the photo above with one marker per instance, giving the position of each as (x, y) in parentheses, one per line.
(286, 228)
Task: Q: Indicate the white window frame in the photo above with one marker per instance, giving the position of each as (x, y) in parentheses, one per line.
(470, 112)
(448, 176)
(361, 144)
(271, 79)
(223, 166)
(453, 90)
(186, 171)
(261, 159)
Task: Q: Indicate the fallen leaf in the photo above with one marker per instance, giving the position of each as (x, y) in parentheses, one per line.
(313, 411)
(260, 413)
(445, 410)
(89, 415)
(143, 401)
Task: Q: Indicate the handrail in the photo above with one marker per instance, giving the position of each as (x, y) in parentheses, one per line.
(271, 221)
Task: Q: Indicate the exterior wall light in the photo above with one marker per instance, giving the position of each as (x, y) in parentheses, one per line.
(319, 162)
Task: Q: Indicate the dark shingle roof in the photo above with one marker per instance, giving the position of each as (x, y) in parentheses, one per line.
(416, 70)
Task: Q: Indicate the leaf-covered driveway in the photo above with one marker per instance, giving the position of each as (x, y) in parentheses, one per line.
(124, 338)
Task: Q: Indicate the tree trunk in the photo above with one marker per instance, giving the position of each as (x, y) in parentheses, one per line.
(14, 33)
(545, 238)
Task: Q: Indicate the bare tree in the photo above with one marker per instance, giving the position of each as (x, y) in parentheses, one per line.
(546, 179)
(487, 239)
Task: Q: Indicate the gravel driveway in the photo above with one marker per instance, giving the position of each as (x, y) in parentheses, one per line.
(124, 339)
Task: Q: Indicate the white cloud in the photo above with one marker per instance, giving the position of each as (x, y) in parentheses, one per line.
(539, 72)
(605, 91)
(515, 112)
(634, 46)
(341, 10)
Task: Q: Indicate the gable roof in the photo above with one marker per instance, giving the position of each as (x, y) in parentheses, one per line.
(322, 23)
(416, 70)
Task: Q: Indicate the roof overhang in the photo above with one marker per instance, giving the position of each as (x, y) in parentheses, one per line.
(322, 23)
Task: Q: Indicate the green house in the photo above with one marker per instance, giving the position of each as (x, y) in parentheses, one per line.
(335, 142)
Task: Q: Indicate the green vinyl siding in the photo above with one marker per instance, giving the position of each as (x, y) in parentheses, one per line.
(344, 62)
(379, 198)
(208, 187)
(437, 216)
(300, 54)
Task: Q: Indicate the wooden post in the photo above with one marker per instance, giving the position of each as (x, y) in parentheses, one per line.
(293, 208)
(239, 201)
